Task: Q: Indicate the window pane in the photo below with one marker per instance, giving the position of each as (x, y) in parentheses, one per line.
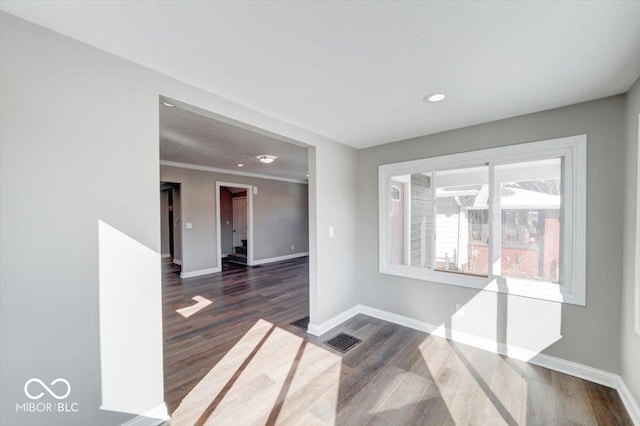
(530, 202)
(462, 224)
(421, 220)
(397, 219)
(411, 220)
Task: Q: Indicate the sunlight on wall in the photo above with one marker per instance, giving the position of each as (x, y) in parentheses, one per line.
(523, 327)
(201, 302)
(265, 378)
(130, 312)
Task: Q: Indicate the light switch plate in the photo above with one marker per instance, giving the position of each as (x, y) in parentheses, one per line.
(189, 225)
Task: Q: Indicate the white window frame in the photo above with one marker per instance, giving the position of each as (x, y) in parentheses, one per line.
(573, 150)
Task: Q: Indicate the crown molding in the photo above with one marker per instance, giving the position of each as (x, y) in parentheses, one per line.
(228, 172)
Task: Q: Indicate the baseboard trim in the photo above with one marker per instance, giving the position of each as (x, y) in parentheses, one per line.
(153, 417)
(177, 261)
(164, 256)
(320, 329)
(630, 403)
(571, 368)
(200, 272)
(279, 258)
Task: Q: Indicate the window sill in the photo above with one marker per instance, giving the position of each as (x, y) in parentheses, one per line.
(517, 287)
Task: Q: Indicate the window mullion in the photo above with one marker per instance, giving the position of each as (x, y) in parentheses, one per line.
(495, 238)
(433, 222)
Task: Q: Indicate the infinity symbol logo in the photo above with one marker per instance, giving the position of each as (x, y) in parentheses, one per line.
(52, 393)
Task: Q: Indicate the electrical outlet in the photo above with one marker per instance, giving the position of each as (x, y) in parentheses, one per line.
(459, 310)
(292, 247)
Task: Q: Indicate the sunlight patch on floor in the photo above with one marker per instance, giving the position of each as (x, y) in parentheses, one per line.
(314, 389)
(196, 402)
(493, 386)
(270, 374)
(201, 302)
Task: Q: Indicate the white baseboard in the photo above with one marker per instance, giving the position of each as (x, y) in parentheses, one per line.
(200, 272)
(177, 261)
(630, 403)
(164, 256)
(279, 258)
(571, 368)
(153, 417)
(320, 329)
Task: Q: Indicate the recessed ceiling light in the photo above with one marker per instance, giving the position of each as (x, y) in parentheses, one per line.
(168, 104)
(240, 165)
(435, 97)
(266, 158)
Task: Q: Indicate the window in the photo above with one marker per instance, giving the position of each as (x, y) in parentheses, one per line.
(395, 193)
(479, 226)
(508, 219)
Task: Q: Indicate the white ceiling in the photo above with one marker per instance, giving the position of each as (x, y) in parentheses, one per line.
(189, 136)
(356, 72)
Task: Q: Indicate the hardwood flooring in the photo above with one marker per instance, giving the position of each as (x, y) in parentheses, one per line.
(237, 361)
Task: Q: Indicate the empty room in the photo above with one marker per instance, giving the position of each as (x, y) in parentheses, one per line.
(319, 213)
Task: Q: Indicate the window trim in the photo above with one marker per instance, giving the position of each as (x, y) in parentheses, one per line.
(573, 149)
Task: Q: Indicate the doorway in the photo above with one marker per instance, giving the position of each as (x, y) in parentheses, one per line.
(239, 223)
(234, 223)
(170, 221)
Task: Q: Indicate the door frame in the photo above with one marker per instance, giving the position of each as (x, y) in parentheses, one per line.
(249, 189)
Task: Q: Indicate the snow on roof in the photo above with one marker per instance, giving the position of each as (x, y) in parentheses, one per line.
(518, 198)
(510, 198)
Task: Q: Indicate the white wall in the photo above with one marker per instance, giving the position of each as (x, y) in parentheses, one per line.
(89, 121)
(630, 340)
(587, 335)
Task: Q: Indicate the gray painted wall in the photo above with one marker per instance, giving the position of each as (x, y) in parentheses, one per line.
(71, 113)
(630, 351)
(280, 211)
(90, 120)
(588, 335)
(164, 222)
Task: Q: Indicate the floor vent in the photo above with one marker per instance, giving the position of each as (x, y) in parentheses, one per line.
(302, 323)
(343, 342)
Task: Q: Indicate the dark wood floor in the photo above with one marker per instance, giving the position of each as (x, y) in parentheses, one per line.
(238, 361)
